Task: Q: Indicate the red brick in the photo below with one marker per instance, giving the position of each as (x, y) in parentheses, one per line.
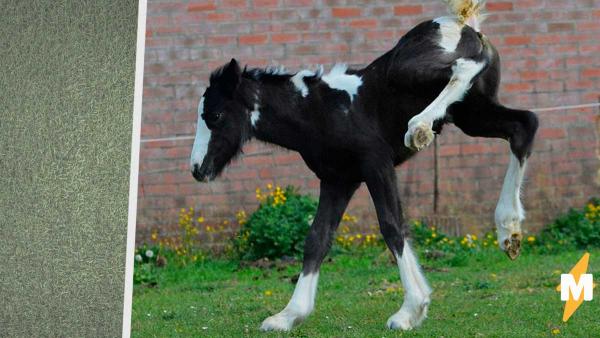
(201, 6)
(499, 6)
(345, 12)
(285, 38)
(590, 72)
(408, 10)
(517, 40)
(364, 23)
(253, 39)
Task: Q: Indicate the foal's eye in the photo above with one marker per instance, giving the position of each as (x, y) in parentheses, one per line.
(212, 118)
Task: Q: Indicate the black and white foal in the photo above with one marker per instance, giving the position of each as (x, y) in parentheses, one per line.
(353, 126)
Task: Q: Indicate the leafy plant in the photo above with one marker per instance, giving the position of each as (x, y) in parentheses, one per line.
(278, 227)
(577, 229)
(144, 271)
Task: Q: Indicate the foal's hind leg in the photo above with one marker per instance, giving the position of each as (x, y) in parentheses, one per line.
(382, 186)
(480, 116)
(333, 201)
(420, 133)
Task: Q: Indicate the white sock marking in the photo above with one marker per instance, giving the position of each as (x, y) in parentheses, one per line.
(509, 210)
(202, 138)
(462, 73)
(299, 307)
(416, 292)
(338, 79)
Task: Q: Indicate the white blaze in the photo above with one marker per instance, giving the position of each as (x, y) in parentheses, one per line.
(202, 138)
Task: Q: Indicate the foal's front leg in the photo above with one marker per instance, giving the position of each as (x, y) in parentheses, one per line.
(382, 186)
(333, 201)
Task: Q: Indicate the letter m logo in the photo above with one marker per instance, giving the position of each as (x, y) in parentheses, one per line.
(569, 287)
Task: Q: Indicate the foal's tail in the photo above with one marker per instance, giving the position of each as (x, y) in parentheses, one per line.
(467, 12)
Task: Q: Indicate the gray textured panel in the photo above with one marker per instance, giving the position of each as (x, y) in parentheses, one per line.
(66, 98)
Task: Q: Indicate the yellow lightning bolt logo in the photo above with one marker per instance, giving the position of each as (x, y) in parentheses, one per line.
(573, 304)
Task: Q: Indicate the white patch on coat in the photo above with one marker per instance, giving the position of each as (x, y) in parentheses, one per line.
(202, 138)
(298, 81)
(509, 210)
(255, 115)
(416, 292)
(450, 33)
(338, 79)
(463, 72)
(300, 306)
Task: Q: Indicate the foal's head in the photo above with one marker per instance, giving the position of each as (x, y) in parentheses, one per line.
(223, 122)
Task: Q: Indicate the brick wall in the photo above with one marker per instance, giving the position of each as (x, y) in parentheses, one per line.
(551, 57)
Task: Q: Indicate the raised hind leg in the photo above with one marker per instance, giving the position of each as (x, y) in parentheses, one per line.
(333, 201)
(382, 187)
(420, 127)
(482, 116)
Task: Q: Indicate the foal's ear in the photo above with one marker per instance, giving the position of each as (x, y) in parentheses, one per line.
(231, 77)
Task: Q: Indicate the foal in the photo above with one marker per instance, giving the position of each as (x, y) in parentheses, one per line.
(353, 126)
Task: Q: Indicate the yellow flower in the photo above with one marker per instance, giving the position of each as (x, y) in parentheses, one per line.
(433, 235)
(555, 331)
(531, 239)
(474, 237)
(269, 186)
(359, 236)
(268, 293)
(200, 219)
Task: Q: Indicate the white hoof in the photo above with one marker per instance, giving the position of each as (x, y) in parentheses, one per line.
(283, 321)
(400, 321)
(508, 224)
(408, 319)
(418, 136)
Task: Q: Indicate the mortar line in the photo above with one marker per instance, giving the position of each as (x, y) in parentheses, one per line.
(539, 110)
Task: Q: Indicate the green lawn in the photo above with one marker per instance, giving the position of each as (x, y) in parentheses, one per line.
(489, 296)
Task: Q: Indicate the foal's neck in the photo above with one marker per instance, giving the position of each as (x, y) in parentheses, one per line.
(277, 117)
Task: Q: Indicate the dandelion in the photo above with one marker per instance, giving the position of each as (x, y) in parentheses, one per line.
(149, 253)
(154, 236)
(138, 258)
(531, 239)
(268, 293)
(555, 331)
(200, 219)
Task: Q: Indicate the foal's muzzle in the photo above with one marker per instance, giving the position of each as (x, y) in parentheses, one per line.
(203, 173)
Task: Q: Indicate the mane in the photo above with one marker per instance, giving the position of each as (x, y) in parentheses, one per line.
(274, 73)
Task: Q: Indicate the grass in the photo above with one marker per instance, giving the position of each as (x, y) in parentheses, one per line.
(488, 296)
(66, 99)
